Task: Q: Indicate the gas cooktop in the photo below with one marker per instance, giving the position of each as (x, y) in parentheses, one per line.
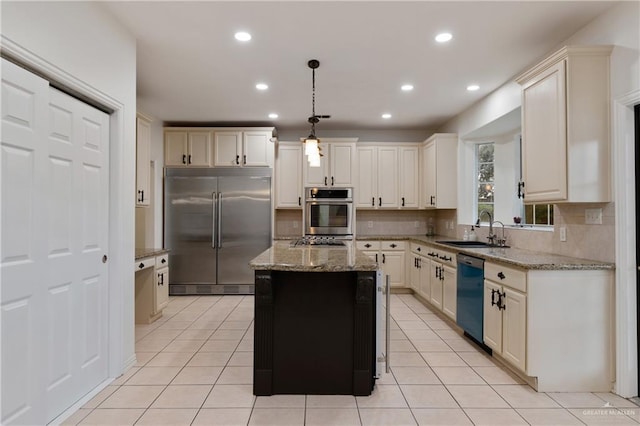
(317, 241)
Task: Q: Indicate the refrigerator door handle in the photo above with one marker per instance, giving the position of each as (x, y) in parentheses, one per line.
(214, 199)
(219, 228)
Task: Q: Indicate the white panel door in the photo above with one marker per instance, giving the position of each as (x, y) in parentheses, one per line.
(409, 174)
(393, 264)
(55, 204)
(316, 176)
(255, 147)
(366, 184)
(387, 177)
(227, 148)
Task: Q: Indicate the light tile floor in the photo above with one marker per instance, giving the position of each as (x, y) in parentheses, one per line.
(195, 368)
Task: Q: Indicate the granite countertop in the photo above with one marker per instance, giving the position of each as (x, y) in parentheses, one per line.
(281, 256)
(141, 253)
(525, 259)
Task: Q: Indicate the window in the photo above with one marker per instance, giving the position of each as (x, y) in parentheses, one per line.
(485, 177)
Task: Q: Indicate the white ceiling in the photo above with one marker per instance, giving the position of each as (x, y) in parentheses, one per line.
(192, 70)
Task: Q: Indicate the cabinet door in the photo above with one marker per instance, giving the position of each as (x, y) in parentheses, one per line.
(492, 318)
(387, 177)
(227, 148)
(429, 175)
(175, 148)
(424, 265)
(414, 273)
(373, 255)
(255, 148)
(393, 264)
(544, 136)
(449, 291)
(199, 152)
(514, 327)
(317, 176)
(409, 160)
(161, 293)
(436, 284)
(143, 158)
(342, 159)
(367, 177)
(289, 176)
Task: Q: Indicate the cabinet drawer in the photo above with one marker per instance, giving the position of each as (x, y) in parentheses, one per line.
(147, 262)
(368, 245)
(393, 245)
(446, 258)
(162, 260)
(505, 275)
(419, 249)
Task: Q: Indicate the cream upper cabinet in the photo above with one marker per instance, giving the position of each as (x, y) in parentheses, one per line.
(409, 177)
(187, 148)
(243, 148)
(565, 127)
(387, 169)
(439, 171)
(367, 177)
(289, 175)
(377, 177)
(143, 161)
(337, 166)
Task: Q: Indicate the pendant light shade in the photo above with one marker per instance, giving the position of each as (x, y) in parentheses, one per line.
(312, 143)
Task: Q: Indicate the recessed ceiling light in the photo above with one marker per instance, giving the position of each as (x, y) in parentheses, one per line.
(273, 115)
(473, 87)
(407, 87)
(262, 86)
(242, 36)
(386, 115)
(443, 37)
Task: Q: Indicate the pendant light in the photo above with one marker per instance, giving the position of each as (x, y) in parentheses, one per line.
(312, 143)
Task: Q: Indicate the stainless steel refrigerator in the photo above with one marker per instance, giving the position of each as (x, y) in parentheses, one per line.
(215, 222)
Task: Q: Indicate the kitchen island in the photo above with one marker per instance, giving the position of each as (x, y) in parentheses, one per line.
(315, 320)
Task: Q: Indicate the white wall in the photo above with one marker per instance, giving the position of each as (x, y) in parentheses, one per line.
(83, 42)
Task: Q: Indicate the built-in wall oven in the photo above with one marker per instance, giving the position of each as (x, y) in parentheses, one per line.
(329, 212)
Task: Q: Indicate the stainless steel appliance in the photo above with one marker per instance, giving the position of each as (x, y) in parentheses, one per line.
(215, 222)
(470, 293)
(329, 211)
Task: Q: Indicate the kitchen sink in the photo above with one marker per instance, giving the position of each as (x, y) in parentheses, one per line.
(469, 244)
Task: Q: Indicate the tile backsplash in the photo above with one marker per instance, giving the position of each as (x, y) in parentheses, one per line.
(392, 222)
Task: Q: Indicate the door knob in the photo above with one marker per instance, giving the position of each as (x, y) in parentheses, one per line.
(104, 258)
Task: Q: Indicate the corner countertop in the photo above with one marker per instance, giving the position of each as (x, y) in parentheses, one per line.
(141, 253)
(281, 256)
(526, 259)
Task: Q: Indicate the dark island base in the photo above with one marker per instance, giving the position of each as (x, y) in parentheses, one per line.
(314, 333)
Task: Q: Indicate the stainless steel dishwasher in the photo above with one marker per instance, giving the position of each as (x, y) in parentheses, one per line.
(470, 291)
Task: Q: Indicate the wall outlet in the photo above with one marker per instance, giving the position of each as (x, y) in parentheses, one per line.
(563, 233)
(593, 216)
(370, 224)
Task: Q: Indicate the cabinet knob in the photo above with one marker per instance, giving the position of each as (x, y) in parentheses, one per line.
(393, 245)
(419, 249)
(367, 245)
(141, 265)
(163, 261)
(501, 276)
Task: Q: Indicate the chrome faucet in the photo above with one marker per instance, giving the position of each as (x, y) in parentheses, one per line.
(501, 242)
(491, 236)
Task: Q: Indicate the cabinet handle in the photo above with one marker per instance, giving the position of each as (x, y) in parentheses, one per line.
(419, 263)
(393, 245)
(300, 201)
(163, 261)
(501, 276)
(142, 196)
(184, 158)
(376, 257)
(380, 202)
(367, 245)
(189, 158)
(521, 189)
(383, 258)
(373, 201)
(445, 258)
(331, 180)
(433, 203)
(501, 304)
(244, 159)
(493, 296)
(415, 262)
(325, 181)
(139, 200)
(402, 201)
(141, 265)
(237, 159)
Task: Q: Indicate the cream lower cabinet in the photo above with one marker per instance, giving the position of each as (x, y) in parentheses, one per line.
(449, 291)
(390, 256)
(553, 325)
(152, 288)
(433, 276)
